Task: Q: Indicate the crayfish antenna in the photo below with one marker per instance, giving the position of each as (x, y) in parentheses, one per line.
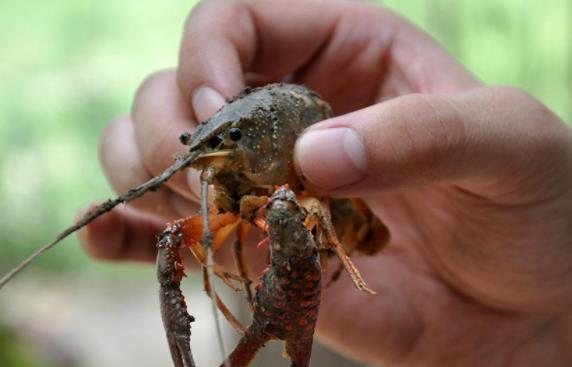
(209, 274)
(153, 184)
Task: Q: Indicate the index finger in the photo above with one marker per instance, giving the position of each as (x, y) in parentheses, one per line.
(334, 46)
(225, 39)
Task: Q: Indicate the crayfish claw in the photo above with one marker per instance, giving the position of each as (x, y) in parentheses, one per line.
(176, 319)
(181, 351)
(299, 351)
(253, 339)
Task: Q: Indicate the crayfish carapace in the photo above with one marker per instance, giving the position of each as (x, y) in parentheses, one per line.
(245, 151)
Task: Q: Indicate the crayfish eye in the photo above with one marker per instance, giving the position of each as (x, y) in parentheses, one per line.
(235, 134)
(185, 138)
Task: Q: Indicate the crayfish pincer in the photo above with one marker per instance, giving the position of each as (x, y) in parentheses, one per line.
(176, 319)
(288, 296)
(245, 153)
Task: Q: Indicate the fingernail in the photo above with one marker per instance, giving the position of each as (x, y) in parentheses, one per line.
(194, 183)
(331, 158)
(206, 101)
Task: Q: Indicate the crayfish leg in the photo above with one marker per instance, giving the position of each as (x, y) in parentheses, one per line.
(250, 206)
(357, 227)
(232, 320)
(320, 217)
(336, 274)
(242, 233)
(176, 319)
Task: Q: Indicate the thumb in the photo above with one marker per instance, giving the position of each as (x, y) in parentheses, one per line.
(475, 139)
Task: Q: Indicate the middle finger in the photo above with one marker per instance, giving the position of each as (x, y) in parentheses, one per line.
(160, 116)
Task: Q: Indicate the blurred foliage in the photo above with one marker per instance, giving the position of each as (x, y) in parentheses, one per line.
(510, 42)
(15, 352)
(66, 69)
(70, 66)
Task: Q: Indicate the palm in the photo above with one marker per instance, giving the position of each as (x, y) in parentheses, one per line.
(421, 313)
(438, 295)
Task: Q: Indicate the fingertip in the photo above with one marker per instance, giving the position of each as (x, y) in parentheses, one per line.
(123, 234)
(212, 52)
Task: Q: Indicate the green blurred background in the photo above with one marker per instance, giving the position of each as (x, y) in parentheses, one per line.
(68, 67)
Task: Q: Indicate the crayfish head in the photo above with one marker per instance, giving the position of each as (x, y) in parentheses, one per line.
(220, 147)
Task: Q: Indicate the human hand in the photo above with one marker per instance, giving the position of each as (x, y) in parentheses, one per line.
(472, 181)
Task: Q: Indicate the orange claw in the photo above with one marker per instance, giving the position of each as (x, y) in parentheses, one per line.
(191, 228)
(191, 231)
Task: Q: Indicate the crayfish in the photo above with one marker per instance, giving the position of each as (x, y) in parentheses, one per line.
(245, 154)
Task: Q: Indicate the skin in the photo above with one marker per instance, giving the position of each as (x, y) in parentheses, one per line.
(473, 181)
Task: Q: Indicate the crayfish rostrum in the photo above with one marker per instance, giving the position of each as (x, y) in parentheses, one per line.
(245, 153)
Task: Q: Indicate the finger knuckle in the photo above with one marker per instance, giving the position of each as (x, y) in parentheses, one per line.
(208, 10)
(536, 117)
(98, 251)
(152, 144)
(512, 94)
(545, 141)
(529, 108)
(119, 157)
(108, 139)
(150, 83)
(435, 131)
